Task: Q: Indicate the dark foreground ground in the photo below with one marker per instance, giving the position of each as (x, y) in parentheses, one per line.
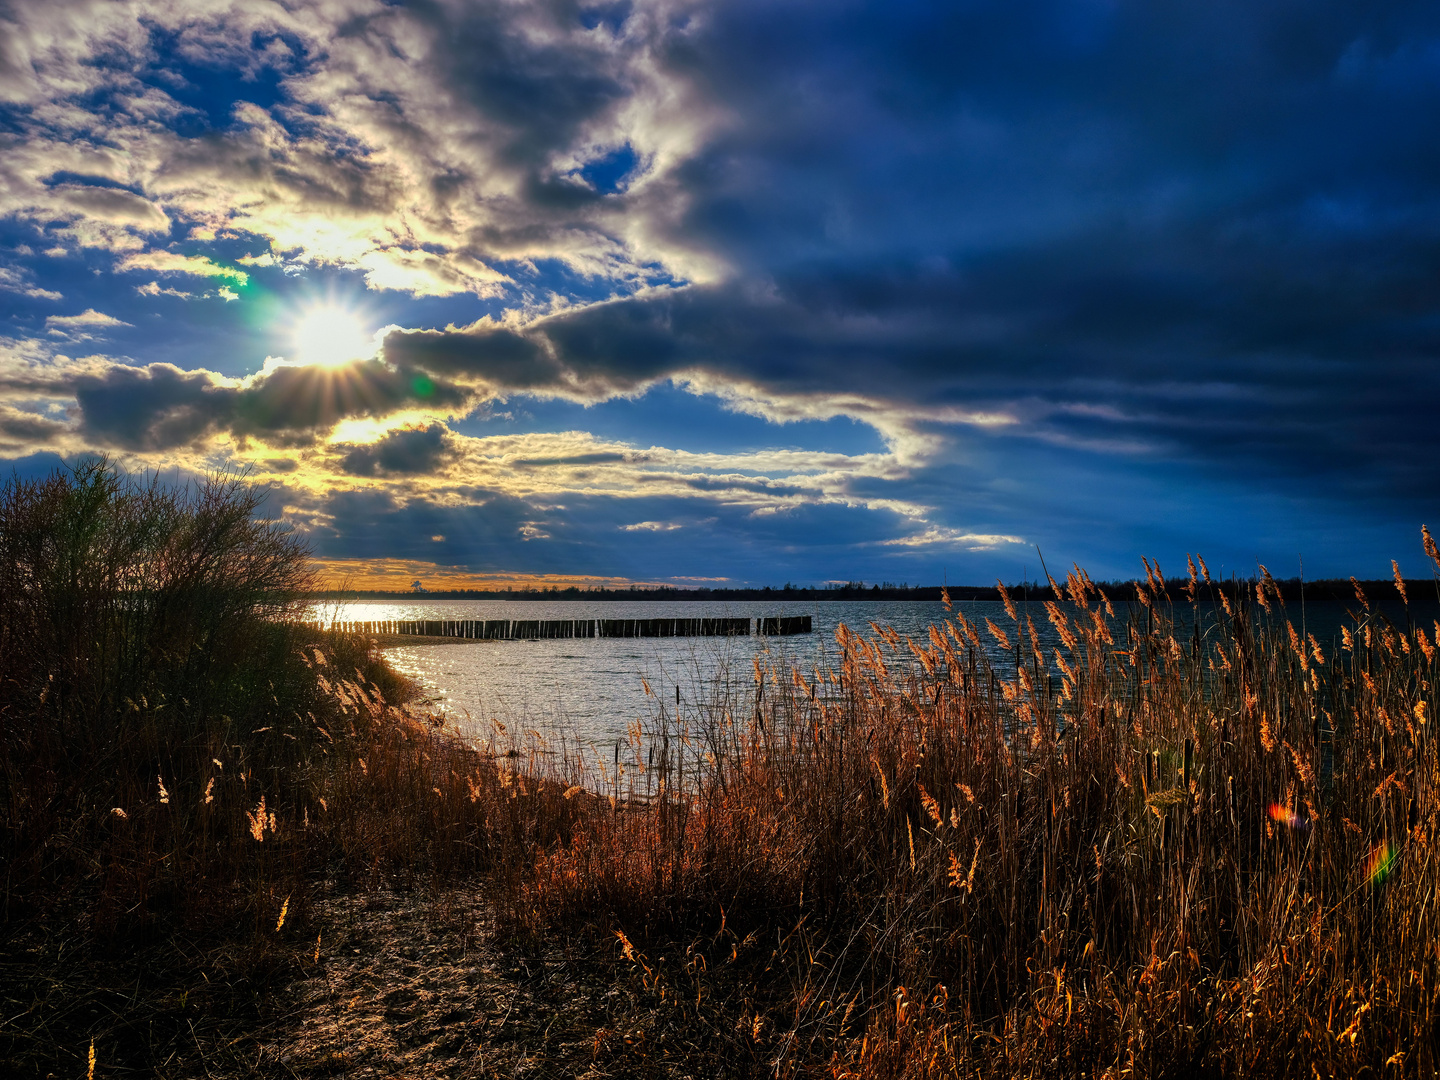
(385, 984)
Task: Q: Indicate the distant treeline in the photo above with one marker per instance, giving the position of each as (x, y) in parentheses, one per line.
(1291, 589)
(855, 591)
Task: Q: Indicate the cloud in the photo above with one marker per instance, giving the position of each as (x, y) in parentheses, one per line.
(160, 407)
(169, 262)
(499, 358)
(19, 281)
(24, 432)
(422, 273)
(378, 420)
(408, 451)
(377, 523)
(1114, 242)
(303, 401)
(82, 327)
(87, 318)
(154, 289)
(935, 536)
(487, 532)
(423, 145)
(1206, 350)
(115, 206)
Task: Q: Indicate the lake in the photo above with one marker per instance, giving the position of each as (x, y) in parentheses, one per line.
(590, 690)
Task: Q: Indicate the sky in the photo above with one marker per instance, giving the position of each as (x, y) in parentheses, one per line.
(739, 293)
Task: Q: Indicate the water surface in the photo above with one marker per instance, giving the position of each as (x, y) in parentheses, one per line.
(591, 690)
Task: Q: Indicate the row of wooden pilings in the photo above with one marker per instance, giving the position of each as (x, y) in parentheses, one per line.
(543, 629)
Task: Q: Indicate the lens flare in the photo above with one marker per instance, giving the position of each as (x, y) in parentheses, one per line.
(1380, 864)
(1283, 815)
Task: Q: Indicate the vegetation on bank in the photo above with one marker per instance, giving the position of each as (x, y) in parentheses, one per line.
(1150, 852)
(182, 765)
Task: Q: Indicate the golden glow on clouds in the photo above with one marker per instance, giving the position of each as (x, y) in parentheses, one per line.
(329, 335)
(547, 465)
(368, 429)
(539, 468)
(397, 574)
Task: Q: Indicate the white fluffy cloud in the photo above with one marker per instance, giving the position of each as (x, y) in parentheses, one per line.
(429, 147)
(168, 262)
(87, 318)
(19, 281)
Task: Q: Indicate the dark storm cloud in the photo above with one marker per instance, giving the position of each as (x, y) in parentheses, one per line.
(1208, 236)
(18, 428)
(377, 523)
(1210, 350)
(1205, 233)
(152, 408)
(161, 407)
(530, 76)
(496, 356)
(407, 452)
(927, 126)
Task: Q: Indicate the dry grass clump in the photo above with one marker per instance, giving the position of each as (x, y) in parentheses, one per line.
(1191, 840)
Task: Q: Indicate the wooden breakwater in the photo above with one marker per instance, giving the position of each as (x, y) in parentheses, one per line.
(545, 629)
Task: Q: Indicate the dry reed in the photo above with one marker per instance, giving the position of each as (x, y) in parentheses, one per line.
(1185, 842)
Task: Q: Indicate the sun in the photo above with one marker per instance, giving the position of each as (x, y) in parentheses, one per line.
(330, 336)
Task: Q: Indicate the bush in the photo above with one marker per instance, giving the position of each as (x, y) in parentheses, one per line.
(184, 763)
(143, 629)
(176, 741)
(113, 591)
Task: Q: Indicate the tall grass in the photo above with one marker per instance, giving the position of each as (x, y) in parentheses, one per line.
(1178, 844)
(141, 632)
